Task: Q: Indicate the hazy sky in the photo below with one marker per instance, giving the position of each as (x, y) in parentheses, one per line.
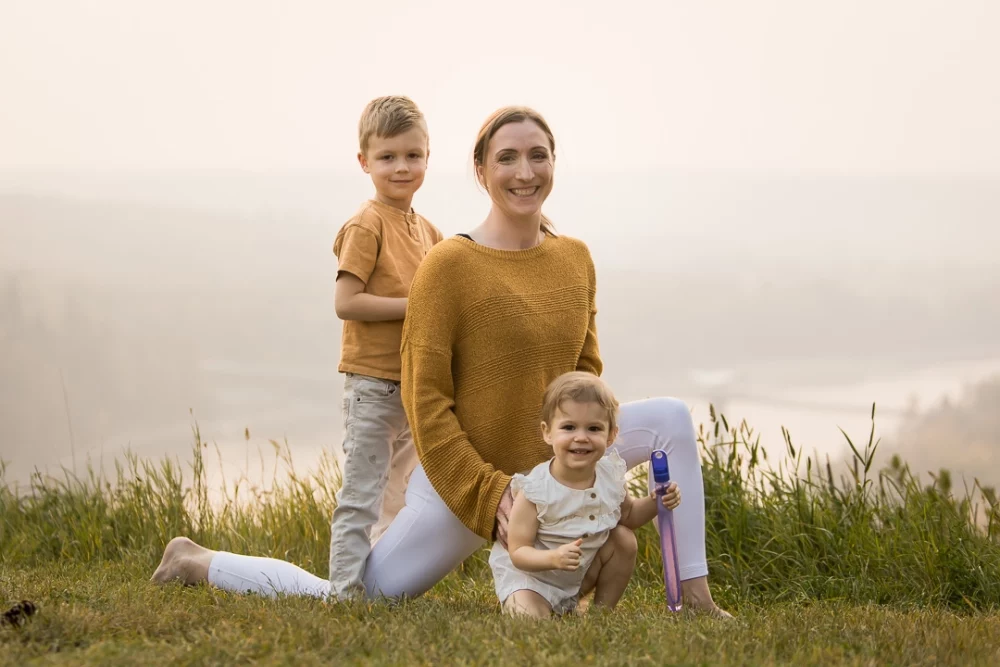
(846, 85)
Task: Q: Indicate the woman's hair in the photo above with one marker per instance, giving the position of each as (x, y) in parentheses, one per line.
(498, 119)
(582, 388)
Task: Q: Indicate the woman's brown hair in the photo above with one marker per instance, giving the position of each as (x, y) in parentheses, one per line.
(498, 119)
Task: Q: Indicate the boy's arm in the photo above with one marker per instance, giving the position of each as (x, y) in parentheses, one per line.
(522, 528)
(352, 303)
(357, 251)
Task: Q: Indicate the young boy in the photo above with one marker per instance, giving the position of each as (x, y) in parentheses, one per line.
(378, 251)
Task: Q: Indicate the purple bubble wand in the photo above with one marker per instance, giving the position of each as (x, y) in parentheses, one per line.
(665, 521)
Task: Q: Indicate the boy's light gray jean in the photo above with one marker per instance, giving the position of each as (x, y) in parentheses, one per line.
(378, 458)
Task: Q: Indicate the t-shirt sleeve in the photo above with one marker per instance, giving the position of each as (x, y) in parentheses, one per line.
(436, 234)
(356, 249)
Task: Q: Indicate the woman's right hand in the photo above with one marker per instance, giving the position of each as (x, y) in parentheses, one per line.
(503, 516)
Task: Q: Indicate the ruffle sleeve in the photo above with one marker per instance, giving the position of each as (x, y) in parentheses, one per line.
(534, 488)
(611, 471)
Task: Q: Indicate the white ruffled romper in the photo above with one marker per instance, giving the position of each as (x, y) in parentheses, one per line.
(564, 515)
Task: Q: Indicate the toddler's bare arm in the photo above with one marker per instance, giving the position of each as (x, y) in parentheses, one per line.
(522, 528)
(638, 511)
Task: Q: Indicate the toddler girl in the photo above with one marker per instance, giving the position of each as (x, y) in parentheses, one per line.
(565, 508)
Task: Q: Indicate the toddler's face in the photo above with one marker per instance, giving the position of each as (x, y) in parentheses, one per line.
(579, 434)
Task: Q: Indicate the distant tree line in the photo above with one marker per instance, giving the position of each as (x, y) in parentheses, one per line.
(961, 435)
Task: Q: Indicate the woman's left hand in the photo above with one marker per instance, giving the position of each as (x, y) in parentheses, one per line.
(672, 496)
(503, 515)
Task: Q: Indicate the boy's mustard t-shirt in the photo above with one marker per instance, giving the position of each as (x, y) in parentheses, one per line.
(383, 247)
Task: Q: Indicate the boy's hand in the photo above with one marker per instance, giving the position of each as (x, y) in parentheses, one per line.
(567, 557)
(672, 496)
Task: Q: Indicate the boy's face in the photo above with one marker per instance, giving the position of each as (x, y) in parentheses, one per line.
(397, 165)
(579, 434)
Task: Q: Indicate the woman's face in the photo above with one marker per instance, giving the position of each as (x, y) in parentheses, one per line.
(518, 170)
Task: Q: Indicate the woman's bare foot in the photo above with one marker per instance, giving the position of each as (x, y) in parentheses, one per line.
(698, 597)
(183, 561)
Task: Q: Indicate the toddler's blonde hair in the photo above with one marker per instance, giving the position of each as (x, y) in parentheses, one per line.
(583, 388)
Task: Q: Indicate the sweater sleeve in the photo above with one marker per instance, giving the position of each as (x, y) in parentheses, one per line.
(590, 355)
(469, 486)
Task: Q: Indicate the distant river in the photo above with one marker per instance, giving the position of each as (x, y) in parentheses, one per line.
(302, 405)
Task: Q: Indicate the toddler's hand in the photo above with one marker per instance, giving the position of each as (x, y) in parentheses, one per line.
(672, 496)
(567, 557)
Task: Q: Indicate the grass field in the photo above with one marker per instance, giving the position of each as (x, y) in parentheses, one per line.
(822, 566)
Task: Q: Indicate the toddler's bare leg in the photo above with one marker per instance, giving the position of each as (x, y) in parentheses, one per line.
(612, 568)
(527, 603)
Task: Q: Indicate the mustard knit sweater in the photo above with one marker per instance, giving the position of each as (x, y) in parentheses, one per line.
(486, 331)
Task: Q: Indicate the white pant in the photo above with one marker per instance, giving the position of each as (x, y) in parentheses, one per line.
(426, 541)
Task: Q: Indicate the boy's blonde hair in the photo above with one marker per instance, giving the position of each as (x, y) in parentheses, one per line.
(583, 388)
(387, 117)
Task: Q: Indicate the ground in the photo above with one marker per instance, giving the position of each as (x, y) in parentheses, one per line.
(110, 614)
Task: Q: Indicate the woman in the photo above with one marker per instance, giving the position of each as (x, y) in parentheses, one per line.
(493, 317)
